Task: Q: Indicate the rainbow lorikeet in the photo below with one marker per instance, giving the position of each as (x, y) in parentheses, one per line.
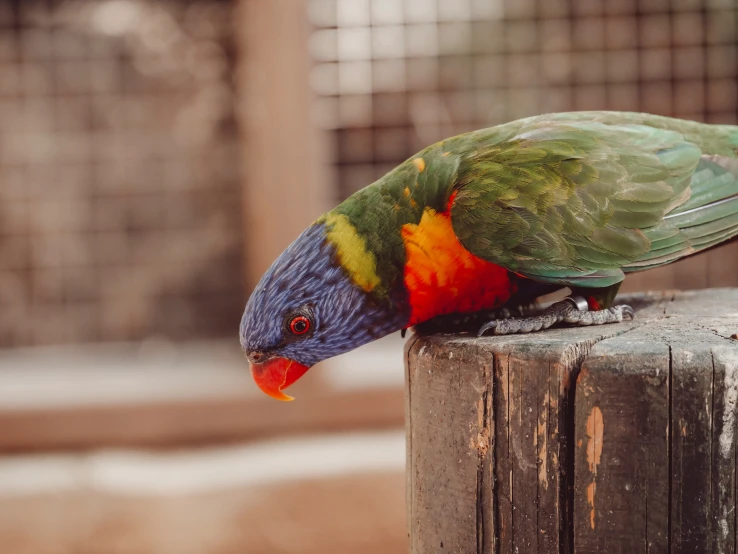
(493, 218)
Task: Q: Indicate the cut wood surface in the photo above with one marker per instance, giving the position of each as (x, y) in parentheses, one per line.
(618, 438)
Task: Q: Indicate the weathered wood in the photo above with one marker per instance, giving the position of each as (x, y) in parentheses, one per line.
(465, 398)
(450, 479)
(612, 439)
(622, 437)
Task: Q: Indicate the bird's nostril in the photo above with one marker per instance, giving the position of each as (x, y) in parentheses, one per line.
(256, 357)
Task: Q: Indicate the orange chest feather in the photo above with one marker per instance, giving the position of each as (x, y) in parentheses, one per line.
(442, 277)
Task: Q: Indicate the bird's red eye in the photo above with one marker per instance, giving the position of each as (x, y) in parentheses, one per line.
(300, 325)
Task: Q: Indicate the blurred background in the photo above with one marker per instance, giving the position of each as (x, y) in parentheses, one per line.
(155, 156)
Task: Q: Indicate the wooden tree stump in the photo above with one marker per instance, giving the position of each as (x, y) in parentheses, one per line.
(619, 438)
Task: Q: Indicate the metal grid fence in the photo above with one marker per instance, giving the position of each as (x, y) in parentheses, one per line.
(119, 180)
(393, 76)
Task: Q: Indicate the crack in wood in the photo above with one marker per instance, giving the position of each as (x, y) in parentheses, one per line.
(712, 429)
(576, 355)
(665, 463)
(410, 343)
(483, 447)
(669, 444)
(495, 453)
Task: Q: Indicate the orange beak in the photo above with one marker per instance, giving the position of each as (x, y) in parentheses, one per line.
(276, 374)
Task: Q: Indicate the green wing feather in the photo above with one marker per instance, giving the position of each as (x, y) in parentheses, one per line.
(579, 199)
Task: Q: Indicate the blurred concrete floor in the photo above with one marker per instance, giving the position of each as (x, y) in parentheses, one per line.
(160, 448)
(321, 494)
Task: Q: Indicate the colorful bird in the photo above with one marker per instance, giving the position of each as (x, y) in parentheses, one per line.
(496, 218)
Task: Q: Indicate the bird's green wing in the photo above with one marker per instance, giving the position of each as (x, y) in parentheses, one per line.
(574, 202)
(709, 217)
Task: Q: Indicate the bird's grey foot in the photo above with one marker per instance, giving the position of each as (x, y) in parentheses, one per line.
(572, 310)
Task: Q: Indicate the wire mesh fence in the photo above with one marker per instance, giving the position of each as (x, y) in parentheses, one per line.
(119, 179)
(393, 76)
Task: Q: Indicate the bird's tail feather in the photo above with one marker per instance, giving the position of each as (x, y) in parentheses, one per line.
(709, 217)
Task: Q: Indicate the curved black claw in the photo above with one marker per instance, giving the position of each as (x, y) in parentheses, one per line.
(487, 326)
(506, 315)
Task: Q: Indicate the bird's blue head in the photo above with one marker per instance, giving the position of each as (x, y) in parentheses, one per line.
(307, 308)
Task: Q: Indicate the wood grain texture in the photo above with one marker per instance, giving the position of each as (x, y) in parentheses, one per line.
(486, 440)
(612, 439)
(450, 489)
(621, 433)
